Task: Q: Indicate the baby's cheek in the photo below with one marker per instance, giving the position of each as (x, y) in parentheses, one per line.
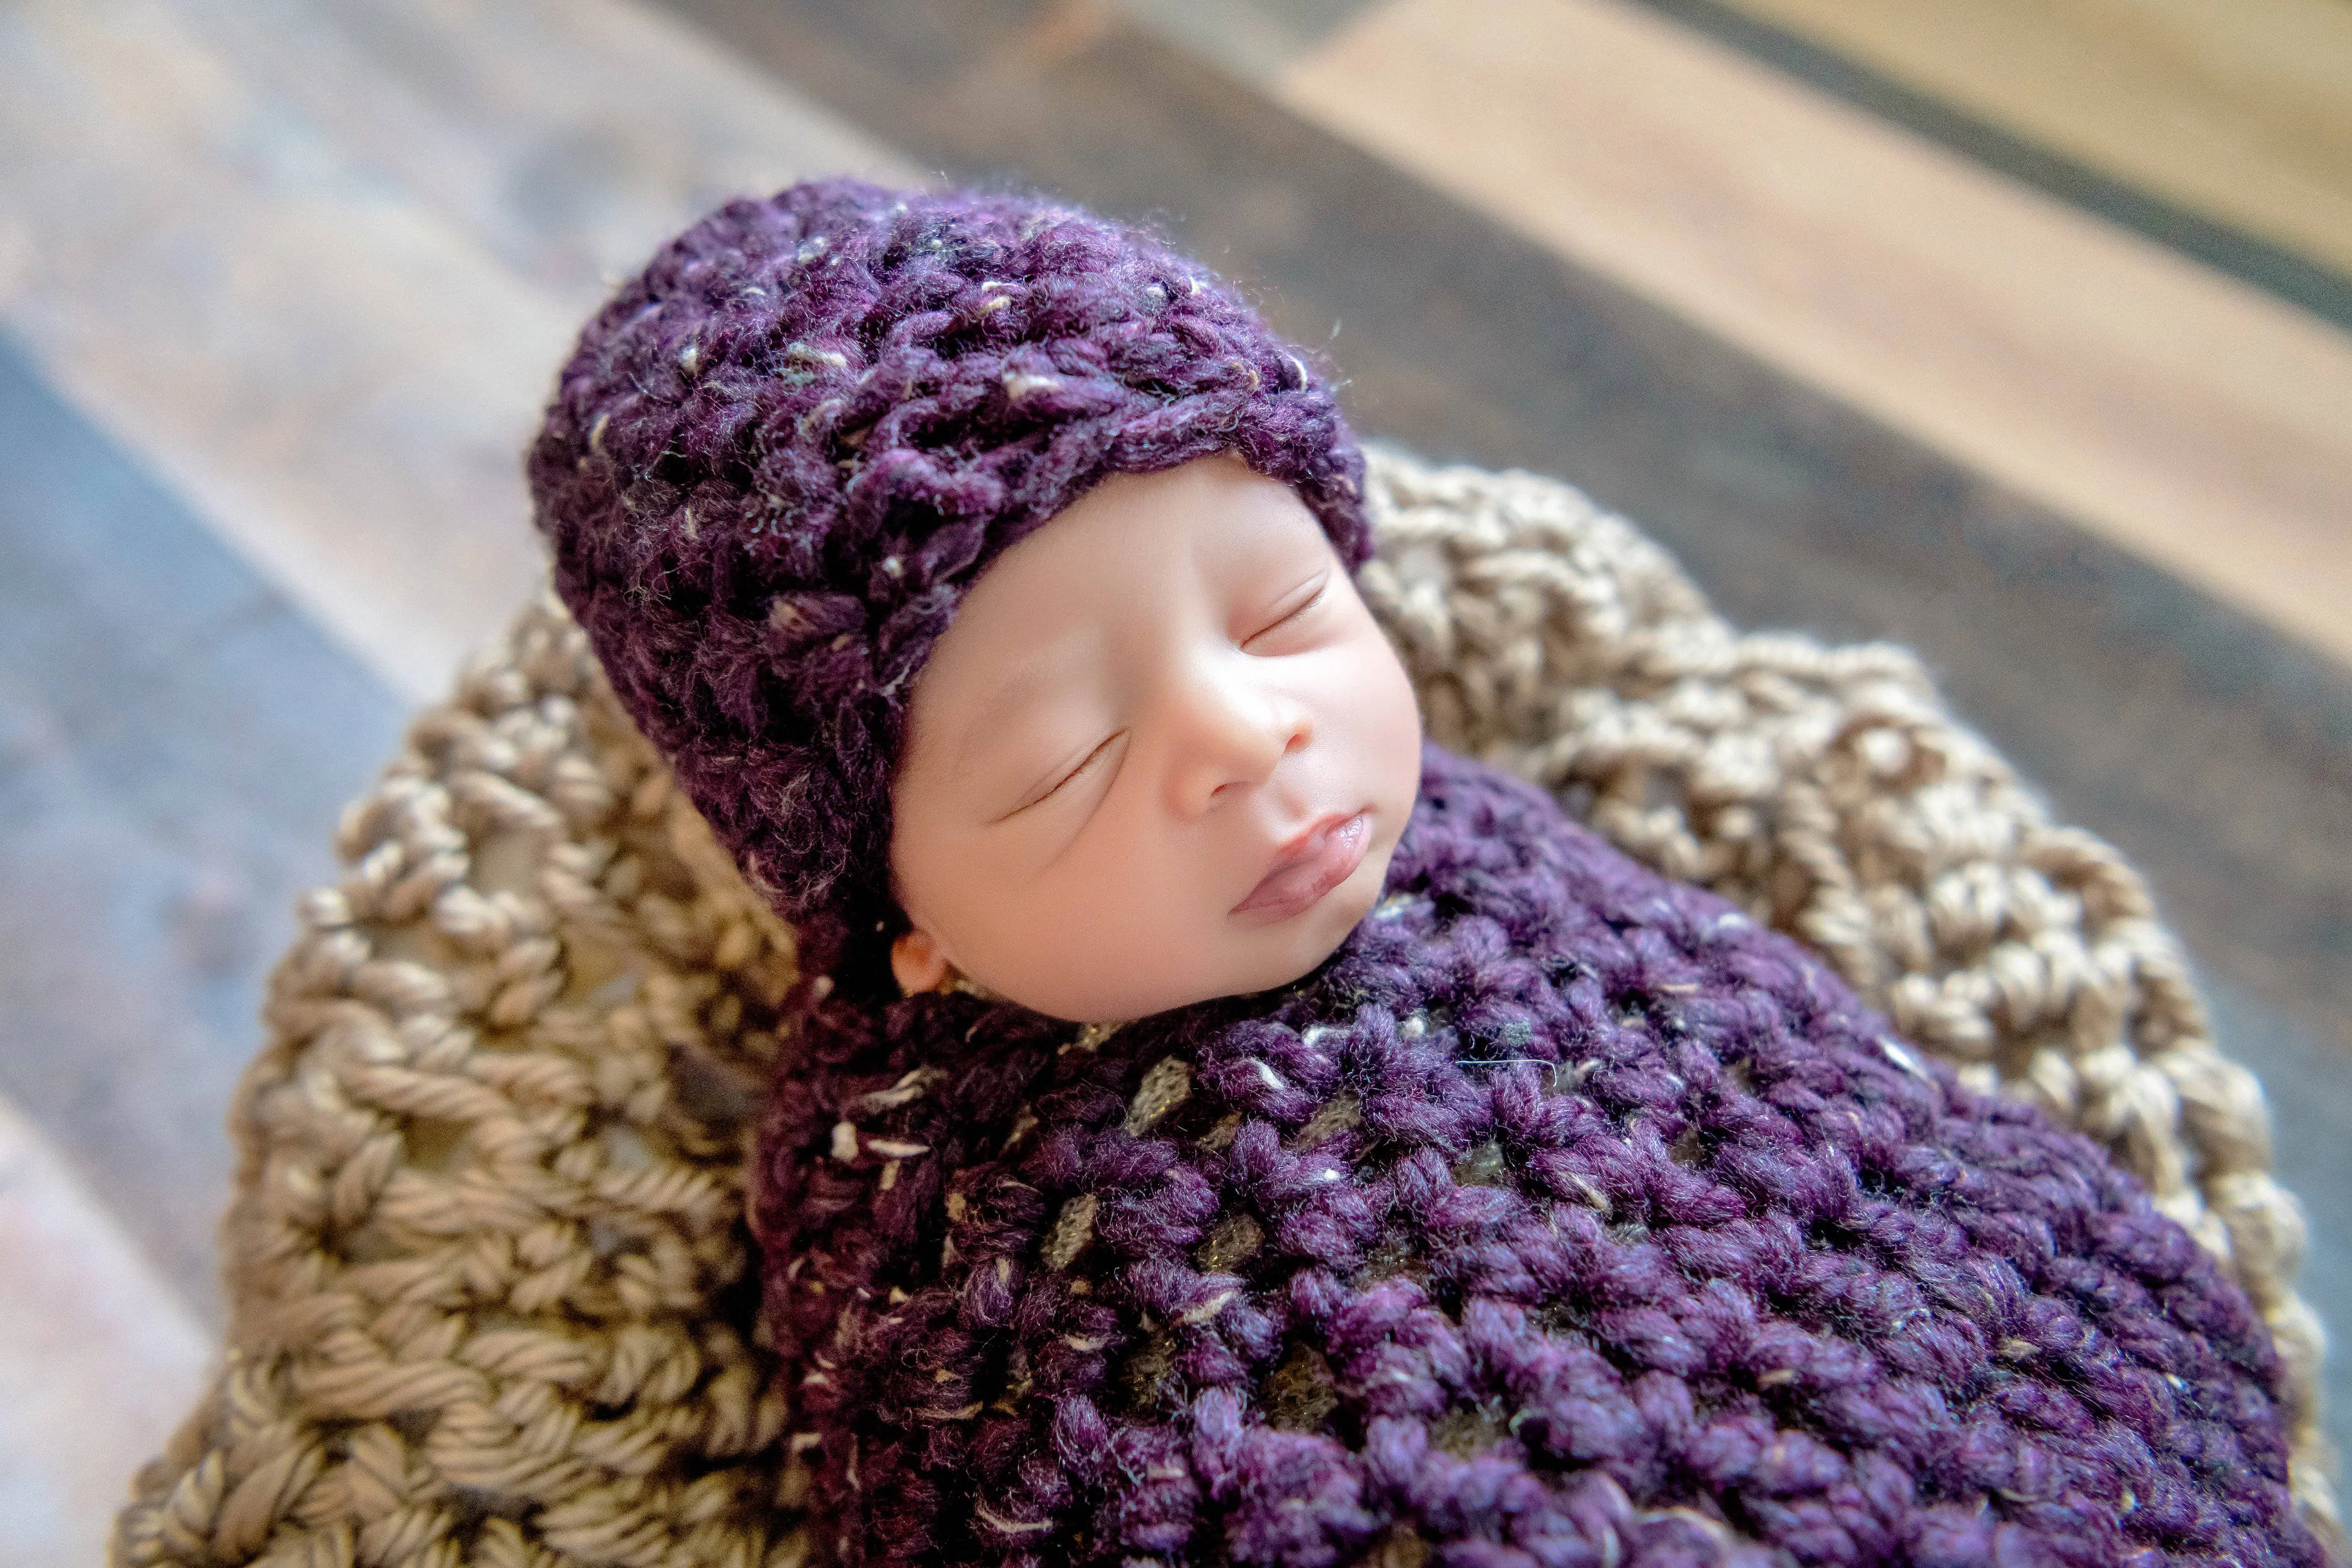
(1161, 940)
(1108, 934)
(1402, 707)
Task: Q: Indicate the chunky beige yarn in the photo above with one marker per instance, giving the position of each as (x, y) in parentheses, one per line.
(488, 1268)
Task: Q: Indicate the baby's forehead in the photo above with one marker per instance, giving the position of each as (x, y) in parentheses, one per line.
(1138, 550)
(1134, 563)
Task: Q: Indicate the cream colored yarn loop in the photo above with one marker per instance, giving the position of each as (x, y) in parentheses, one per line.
(487, 1266)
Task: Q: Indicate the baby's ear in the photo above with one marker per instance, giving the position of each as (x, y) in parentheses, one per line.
(917, 963)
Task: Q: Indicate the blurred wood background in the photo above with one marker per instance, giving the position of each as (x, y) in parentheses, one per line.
(2019, 334)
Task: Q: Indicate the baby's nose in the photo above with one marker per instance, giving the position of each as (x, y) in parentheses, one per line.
(1235, 731)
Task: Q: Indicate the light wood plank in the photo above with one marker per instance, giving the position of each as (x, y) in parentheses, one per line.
(2242, 111)
(2189, 417)
(325, 325)
(564, 140)
(98, 1360)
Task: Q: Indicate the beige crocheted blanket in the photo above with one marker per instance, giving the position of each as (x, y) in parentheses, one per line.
(486, 1265)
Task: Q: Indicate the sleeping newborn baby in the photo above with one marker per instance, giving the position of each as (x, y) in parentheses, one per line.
(1221, 1128)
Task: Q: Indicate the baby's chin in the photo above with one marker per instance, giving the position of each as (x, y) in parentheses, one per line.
(1271, 956)
(1237, 958)
(1244, 962)
(1331, 923)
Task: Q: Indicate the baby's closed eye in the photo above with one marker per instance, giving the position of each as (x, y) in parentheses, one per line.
(1292, 612)
(1100, 753)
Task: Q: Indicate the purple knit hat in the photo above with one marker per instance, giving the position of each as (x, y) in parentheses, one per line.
(780, 456)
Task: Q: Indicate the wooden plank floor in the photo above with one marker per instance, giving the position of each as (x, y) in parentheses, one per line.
(2192, 418)
(282, 286)
(318, 263)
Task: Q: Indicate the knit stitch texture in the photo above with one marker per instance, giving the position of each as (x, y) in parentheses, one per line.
(1564, 1216)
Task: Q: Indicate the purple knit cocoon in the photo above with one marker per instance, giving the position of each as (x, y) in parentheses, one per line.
(1564, 1218)
(780, 456)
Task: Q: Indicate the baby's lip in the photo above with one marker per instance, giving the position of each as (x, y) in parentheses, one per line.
(1309, 867)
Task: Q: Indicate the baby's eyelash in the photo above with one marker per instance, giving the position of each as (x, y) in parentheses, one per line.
(1086, 762)
(1322, 587)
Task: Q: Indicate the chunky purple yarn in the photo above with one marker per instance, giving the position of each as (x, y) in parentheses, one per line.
(779, 456)
(1563, 1217)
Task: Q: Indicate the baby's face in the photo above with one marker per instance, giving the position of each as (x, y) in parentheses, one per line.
(1163, 753)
